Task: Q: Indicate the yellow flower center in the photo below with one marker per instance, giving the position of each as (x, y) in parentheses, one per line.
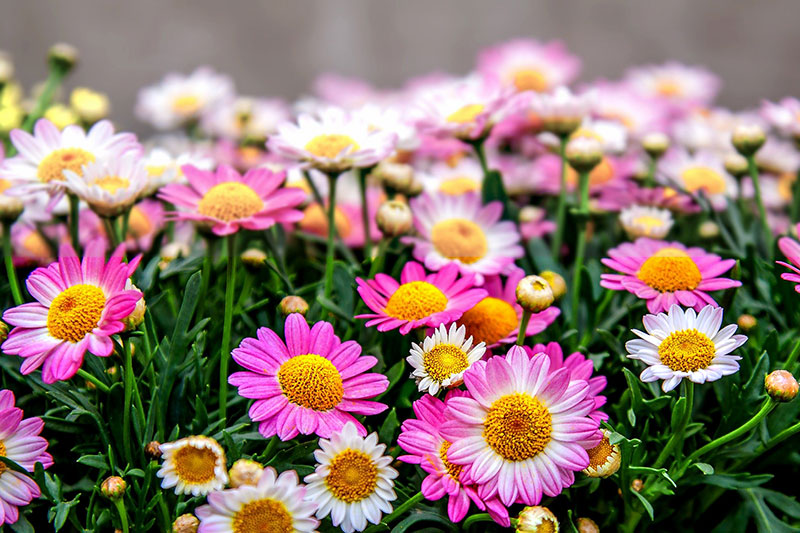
(669, 270)
(352, 476)
(648, 222)
(186, 104)
(195, 465)
(489, 320)
(530, 79)
(459, 238)
(75, 312)
(687, 350)
(517, 426)
(53, 166)
(444, 360)
(785, 185)
(315, 220)
(230, 201)
(330, 145)
(112, 183)
(156, 171)
(4, 185)
(458, 186)
(601, 174)
(139, 224)
(454, 471)
(311, 381)
(703, 178)
(263, 516)
(600, 454)
(35, 245)
(416, 300)
(466, 114)
(3, 453)
(668, 87)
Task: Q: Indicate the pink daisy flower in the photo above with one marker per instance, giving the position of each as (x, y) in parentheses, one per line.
(667, 273)
(495, 319)
(421, 438)
(309, 384)
(20, 442)
(612, 171)
(681, 85)
(628, 193)
(783, 116)
(791, 249)
(420, 299)
(528, 65)
(524, 431)
(80, 306)
(227, 201)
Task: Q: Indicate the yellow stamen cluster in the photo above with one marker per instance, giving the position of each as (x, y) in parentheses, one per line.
(194, 464)
(444, 360)
(669, 270)
(139, 224)
(517, 426)
(416, 300)
(330, 145)
(454, 471)
(459, 238)
(112, 183)
(352, 476)
(458, 185)
(489, 321)
(186, 104)
(52, 167)
(267, 515)
(703, 178)
(230, 201)
(3, 452)
(466, 114)
(311, 381)
(530, 79)
(687, 350)
(75, 312)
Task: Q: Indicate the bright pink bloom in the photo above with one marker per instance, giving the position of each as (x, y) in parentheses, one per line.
(309, 384)
(80, 306)
(227, 201)
(791, 249)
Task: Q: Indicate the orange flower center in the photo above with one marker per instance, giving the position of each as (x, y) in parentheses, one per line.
(230, 201)
(52, 167)
(352, 476)
(687, 350)
(517, 426)
(489, 320)
(416, 300)
(75, 312)
(703, 178)
(459, 238)
(311, 381)
(458, 185)
(186, 105)
(444, 360)
(263, 516)
(138, 223)
(600, 454)
(669, 270)
(112, 183)
(195, 464)
(331, 145)
(315, 220)
(530, 79)
(454, 471)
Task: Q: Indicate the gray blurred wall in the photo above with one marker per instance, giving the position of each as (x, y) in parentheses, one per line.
(277, 47)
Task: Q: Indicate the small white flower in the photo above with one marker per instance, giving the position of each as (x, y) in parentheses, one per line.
(443, 358)
(194, 465)
(109, 186)
(644, 221)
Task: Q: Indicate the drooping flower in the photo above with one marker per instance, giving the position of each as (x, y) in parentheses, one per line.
(528, 65)
(21, 443)
(791, 249)
(699, 172)
(460, 230)
(420, 299)
(665, 273)
(309, 384)
(681, 85)
(226, 201)
(684, 344)
(275, 503)
(193, 465)
(443, 358)
(352, 481)
(109, 186)
(525, 430)
(421, 438)
(495, 319)
(79, 306)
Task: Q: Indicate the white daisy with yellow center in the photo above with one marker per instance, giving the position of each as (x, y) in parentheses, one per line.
(700, 173)
(645, 221)
(604, 459)
(109, 186)
(193, 465)
(443, 358)
(353, 481)
(684, 344)
(463, 177)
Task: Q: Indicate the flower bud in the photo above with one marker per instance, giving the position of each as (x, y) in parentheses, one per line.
(534, 294)
(556, 282)
(153, 450)
(91, 106)
(185, 523)
(781, 386)
(748, 138)
(708, 230)
(6, 68)
(655, 144)
(736, 165)
(394, 218)
(253, 258)
(637, 485)
(11, 117)
(584, 153)
(113, 487)
(245, 472)
(397, 176)
(293, 304)
(587, 525)
(62, 57)
(537, 519)
(134, 320)
(604, 459)
(11, 208)
(172, 251)
(747, 322)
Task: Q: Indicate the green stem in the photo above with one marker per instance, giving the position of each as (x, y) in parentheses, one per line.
(74, 218)
(314, 191)
(8, 256)
(409, 503)
(110, 226)
(208, 269)
(474, 519)
(125, 218)
(49, 90)
(676, 440)
(225, 349)
(792, 359)
(580, 253)
(777, 439)
(523, 326)
(650, 180)
(123, 514)
(561, 210)
(362, 185)
(126, 413)
(96, 382)
(331, 235)
(762, 212)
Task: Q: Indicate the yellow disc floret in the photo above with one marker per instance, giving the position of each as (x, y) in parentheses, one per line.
(112, 183)
(444, 360)
(194, 464)
(703, 178)
(75, 312)
(267, 515)
(458, 185)
(517, 426)
(352, 476)
(230, 201)
(530, 79)
(669, 270)
(139, 224)
(331, 145)
(3, 453)
(466, 114)
(186, 105)
(52, 167)
(490, 320)
(311, 381)
(416, 300)
(687, 350)
(454, 471)
(459, 238)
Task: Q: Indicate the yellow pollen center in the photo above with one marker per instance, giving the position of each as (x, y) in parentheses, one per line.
(466, 114)
(454, 471)
(669, 270)
(785, 185)
(530, 79)
(489, 320)
(263, 516)
(352, 476)
(416, 300)
(601, 174)
(156, 171)
(315, 220)
(517, 426)
(112, 183)
(75, 312)
(444, 360)
(186, 104)
(668, 87)
(331, 145)
(599, 455)
(311, 381)
(687, 350)
(459, 238)
(195, 465)
(458, 186)
(703, 178)
(3, 453)
(230, 201)
(139, 224)
(648, 222)
(4, 185)
(53, 166)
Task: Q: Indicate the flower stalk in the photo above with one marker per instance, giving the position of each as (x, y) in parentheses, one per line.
(225, 349)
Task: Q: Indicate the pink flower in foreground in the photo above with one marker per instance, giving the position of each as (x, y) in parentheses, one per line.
(666, 273)
(227, 201)
(791, 249)
(80, 305)
(308, 384)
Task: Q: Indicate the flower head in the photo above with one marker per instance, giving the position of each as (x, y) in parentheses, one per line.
(443, 358)
(783, 116)
(681, 85)
(684, 344)
(246, 119)
(604, 459)
(644, 221)
(700, 172)
(109, 186)
(309, 384)
(193, 465)
(561, 112)
(528, 65)
(791, 249)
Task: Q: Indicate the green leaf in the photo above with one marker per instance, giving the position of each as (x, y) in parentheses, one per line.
(785, 504)
(95, 461)
(387, 429)
(542, 259)
(736, 481)
(646, 504)
(423, 516)
(678, 411)
(705, 468)
(22, 525)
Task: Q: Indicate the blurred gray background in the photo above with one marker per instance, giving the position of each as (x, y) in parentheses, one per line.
(276, 48)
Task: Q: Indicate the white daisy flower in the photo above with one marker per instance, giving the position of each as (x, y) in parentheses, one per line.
(443, 358)
(164, 168)
(466, 176)
(646, 221)
(353, 481)
(193, 465)
(276, 503)
(246, 118)
(684, 344)
(109, 186)
(390, 118)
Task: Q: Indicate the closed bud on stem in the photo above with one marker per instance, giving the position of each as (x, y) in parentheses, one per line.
(655, 144)
(62, 57)
(6, 68)
(637, 485)
(604, 459)
(584, 153)
(587, 525)
(245, 472)
(185, 523)
(781, 386)
(708, 230)
(134, 320)
(397, 176)
(394, 218)
(748, 138)
(293, 304)
(537, 519)
(253, 259)
(11, 208)
(534, 294)
(113, 487)
(153, 450)
(747, 322)
(556, 281)
(736, 164)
